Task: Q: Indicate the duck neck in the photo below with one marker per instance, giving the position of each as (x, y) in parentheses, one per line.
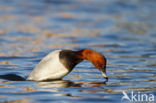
(69, 59)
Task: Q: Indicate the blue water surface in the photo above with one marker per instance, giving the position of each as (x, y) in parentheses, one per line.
(122, 30)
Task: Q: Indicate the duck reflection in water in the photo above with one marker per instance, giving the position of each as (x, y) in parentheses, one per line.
(68, 83)
(58, 84)
(55, 85)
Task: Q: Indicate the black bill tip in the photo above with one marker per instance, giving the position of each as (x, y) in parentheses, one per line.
(106, 78)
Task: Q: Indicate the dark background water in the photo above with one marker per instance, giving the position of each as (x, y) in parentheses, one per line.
(123, 30)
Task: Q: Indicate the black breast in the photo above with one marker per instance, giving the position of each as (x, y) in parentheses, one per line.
(69, 59)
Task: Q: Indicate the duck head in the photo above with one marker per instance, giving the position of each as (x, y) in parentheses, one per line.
(71, 58)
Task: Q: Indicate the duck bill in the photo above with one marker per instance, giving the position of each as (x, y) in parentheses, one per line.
(103, 71)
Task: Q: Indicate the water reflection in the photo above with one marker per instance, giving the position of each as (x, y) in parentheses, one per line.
(58, 84)
(62, 87)
(68, 84)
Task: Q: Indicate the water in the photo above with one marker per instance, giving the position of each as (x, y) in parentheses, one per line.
(124, 31)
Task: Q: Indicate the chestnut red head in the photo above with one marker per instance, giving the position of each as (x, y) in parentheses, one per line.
(96, 58)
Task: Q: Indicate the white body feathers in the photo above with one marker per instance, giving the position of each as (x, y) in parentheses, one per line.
(48, 68)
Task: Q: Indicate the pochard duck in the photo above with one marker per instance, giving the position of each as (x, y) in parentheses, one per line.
(59, 63)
